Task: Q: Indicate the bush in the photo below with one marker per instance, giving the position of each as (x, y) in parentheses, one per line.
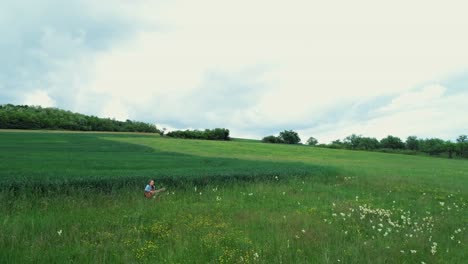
(290, 137)
(272, 139)
(392, 142)
(312, 141)
(214, 134)
(285, 137)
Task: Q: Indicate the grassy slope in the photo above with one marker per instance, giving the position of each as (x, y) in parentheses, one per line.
(423, 171)
(286, 220)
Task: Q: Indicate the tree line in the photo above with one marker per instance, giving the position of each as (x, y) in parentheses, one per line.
(412, 145)
(36, 117)
(208, 134)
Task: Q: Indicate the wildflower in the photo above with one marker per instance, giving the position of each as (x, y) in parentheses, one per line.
(402, 251)
(297, 236)
(298, 203)
(413, 251)
(276, 177)
(250, 194)
(256, 255)
(346, 232)
(288, 243)
(284, 216)
(218, 198)
(200, 193)
(452, 237)
(333, 204)
(284, 193)
(333, 214)
(342, 214)
(434, 248)
(59, 232)
(195, 188)
(379, 229)
(441, 203)
(357, 198)
(303, 231)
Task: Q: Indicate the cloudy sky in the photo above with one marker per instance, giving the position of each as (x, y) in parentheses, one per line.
(324, 68)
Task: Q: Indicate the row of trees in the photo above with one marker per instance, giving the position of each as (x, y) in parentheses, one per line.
(36, 117)
(412, 145)
(208, 134)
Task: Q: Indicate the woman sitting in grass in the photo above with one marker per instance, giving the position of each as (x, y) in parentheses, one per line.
(150, 190)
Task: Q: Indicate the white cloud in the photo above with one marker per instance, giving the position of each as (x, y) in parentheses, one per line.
(39, 97)
(427, 112)
(416, 99)
(115, 109)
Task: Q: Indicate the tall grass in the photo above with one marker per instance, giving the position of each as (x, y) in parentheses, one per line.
(78, 198)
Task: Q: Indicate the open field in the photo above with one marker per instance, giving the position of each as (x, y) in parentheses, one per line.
(77, 197)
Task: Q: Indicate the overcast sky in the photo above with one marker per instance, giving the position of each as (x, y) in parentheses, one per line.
(324, 68)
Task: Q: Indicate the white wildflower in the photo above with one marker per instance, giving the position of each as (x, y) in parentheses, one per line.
(59, 232)
(434, 248)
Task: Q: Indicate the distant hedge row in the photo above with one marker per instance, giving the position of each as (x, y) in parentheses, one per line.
(208, 134)
(36, 117)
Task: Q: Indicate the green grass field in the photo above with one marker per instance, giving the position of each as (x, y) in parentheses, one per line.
(78, 197)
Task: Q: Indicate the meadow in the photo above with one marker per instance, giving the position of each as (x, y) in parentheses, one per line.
(78, 198)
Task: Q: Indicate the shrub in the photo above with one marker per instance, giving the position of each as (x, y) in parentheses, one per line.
(289, 137)
(272, 139)
(208, 134)
(312, 141)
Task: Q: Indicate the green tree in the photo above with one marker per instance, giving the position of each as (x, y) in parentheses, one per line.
(367, 143)
(272, 139)
(462, 145)
(352, 141)
(412, 143)
(433, 146)
(392, 142)
(289, 137)
(450, 147)
(312, 141)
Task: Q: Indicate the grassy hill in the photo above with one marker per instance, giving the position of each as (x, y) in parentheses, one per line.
(77, 197)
